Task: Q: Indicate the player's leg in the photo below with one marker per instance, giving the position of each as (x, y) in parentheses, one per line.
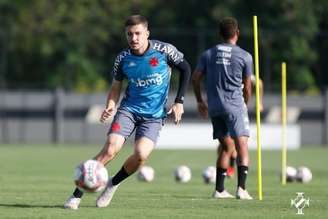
(233, 158)
(112, 146)
(143, 148)
(243, 163)
(220, 132)
(231, 168)
(146, 137)
(121, 128)
(239, 129)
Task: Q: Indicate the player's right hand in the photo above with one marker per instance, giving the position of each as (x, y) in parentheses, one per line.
(106, 114)
(202, 109)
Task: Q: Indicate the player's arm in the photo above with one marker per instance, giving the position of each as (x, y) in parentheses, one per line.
(112, 99)
(253, 79)
(196, 82)
(247, 90)
(185, 73)
(261, 94)
(247, 77)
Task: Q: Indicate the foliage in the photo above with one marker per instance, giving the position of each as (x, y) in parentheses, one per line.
(45, 44)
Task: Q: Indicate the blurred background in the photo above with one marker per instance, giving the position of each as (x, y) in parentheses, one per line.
(56, 58)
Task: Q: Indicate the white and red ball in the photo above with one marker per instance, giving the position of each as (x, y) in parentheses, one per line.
(146, 174)
(91, 176)
(209, 174)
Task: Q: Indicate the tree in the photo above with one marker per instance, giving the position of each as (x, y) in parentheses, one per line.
(73, 43)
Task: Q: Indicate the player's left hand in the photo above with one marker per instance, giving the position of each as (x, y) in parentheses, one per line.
(177, 109)
(261, 107)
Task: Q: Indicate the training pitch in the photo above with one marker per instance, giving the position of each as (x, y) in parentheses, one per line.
(36, 180)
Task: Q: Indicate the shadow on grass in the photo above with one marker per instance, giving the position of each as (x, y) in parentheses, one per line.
(36, 206)
(30, 206)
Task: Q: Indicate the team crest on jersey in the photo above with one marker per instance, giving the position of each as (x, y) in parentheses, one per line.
(153, 61)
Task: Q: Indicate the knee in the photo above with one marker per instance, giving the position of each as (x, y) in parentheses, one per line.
(226, 148)
(242, 147)
(141, 157)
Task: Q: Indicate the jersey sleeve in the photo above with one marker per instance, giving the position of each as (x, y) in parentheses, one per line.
(248, 68)
(117, 69)
(201, 64)
(174, 55)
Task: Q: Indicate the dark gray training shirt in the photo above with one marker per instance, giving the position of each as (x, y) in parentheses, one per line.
(225, 65)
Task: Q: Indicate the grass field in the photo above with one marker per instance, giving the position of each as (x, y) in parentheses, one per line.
(36, 180)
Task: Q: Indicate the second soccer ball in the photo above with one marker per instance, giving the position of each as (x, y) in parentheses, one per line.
(209, 174)
(182, 174)
(304, 174)
(146, 174)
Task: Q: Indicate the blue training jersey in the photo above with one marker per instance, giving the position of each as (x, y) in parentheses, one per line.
(148, 78)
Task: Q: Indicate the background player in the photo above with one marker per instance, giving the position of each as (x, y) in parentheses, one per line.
(228, 70)
(231, 168)
(146, 67)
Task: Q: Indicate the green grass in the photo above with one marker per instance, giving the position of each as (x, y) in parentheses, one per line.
(36, 180)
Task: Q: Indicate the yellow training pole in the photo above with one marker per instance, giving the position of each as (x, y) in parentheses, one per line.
(283, 121)
(258, 117)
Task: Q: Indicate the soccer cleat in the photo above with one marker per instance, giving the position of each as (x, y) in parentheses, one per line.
(107, 195)
(243, 194)
(223, 194)
(230, 172)
(72, 203)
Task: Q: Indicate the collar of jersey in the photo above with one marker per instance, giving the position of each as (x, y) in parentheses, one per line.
(146, 51)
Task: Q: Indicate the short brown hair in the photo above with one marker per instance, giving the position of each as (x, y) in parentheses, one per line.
(135, 20)
(228, 27)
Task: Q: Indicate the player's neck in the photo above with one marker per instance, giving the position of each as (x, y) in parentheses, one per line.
(231, 41)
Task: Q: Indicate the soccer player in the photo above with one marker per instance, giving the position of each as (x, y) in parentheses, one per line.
(231, 168)
(228, 70)
(146, 65)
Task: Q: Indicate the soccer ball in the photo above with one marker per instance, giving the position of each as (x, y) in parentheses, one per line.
(209, 174)
(91, 176)
(304, 174)
(146, 174)
(182, 174)
(290, 173)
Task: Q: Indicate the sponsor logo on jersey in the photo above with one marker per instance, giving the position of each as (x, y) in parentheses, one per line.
(119, 59)
(224, 48)
(153, 79)
(168, 49)
(223, 55)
